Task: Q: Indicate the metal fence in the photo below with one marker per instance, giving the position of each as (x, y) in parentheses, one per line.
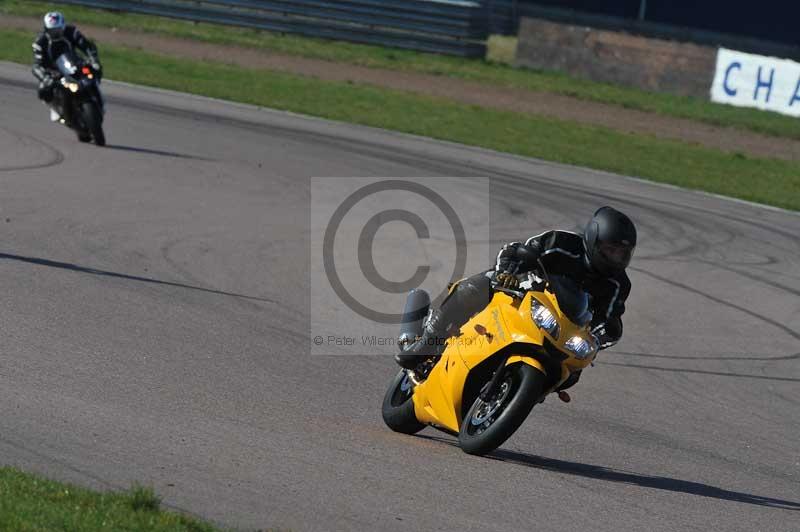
(503, 16)
(454, 27)
(764, 20)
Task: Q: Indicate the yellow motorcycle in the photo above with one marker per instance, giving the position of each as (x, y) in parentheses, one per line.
(506, 359)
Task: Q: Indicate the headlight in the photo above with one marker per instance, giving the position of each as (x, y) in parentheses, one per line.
(73, 87)
(544, 319)
(580, 347)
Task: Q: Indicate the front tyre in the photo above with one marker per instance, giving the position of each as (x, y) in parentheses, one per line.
(398, 408)
(93, 119)
(490, 423)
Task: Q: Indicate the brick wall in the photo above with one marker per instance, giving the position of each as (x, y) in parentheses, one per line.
(616, 57)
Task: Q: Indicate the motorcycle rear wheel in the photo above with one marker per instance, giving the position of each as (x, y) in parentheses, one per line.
(489, 423)
(398, 407)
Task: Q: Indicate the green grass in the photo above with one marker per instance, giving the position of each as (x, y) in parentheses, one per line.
(492, 72)
(32, 503)
(768, 181)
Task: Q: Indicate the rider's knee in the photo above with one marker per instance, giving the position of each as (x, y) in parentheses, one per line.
(476, 291)
(45, 93)
(469, 297)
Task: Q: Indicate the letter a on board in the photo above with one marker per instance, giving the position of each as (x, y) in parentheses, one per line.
(796, 95)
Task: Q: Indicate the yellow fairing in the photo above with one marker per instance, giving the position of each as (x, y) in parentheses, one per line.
(568, 330)
(437, 401)
(504, 321)
(526, 360)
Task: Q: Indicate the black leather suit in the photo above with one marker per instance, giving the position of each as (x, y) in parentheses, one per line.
(47, 49)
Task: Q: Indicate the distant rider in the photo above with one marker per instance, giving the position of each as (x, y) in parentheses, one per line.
(58, 38)
(596, 259)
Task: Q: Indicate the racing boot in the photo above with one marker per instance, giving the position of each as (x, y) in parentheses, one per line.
(571, 381)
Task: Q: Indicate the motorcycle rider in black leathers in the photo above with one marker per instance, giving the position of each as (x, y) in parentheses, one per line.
(596, 260)
(58, 38)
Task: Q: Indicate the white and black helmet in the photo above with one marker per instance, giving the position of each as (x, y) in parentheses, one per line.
(609, 240)
(54, 24)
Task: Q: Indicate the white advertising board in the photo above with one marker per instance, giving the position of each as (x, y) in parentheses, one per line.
(749, 80)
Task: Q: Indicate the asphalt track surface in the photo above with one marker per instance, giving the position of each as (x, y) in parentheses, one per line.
(155, 329)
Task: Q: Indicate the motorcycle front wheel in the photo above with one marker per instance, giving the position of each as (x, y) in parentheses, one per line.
(491, 422)
(398, 407)
(93, 119)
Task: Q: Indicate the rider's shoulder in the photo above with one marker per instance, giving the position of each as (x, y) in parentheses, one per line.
(566, 239)
(553, 234)
(571, 235)
(71, 31)
(40, 39)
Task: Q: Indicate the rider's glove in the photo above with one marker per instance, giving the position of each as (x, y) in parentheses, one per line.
(507, 280)
(603, 338)
(95, 64)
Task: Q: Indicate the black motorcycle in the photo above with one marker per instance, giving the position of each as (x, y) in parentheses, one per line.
(77, 99)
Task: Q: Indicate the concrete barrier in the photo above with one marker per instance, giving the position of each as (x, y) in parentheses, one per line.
(617, 57)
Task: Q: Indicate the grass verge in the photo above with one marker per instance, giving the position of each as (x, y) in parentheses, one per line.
(28, 502)
(492, 72)
(767, 181)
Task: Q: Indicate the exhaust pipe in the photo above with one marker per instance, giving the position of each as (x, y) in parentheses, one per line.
(414, 313)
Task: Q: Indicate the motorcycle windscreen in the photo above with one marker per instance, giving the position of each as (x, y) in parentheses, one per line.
(573, 301)
(66, 65)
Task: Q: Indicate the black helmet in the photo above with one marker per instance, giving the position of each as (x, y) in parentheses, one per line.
(609, 240)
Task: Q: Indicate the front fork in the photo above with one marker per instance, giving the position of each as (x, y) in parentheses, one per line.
(493, 385)
(490, 387)
(98, 98)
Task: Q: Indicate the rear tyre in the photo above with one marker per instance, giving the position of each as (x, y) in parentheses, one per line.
(490, 423)
(94, 122)
(398, 408)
